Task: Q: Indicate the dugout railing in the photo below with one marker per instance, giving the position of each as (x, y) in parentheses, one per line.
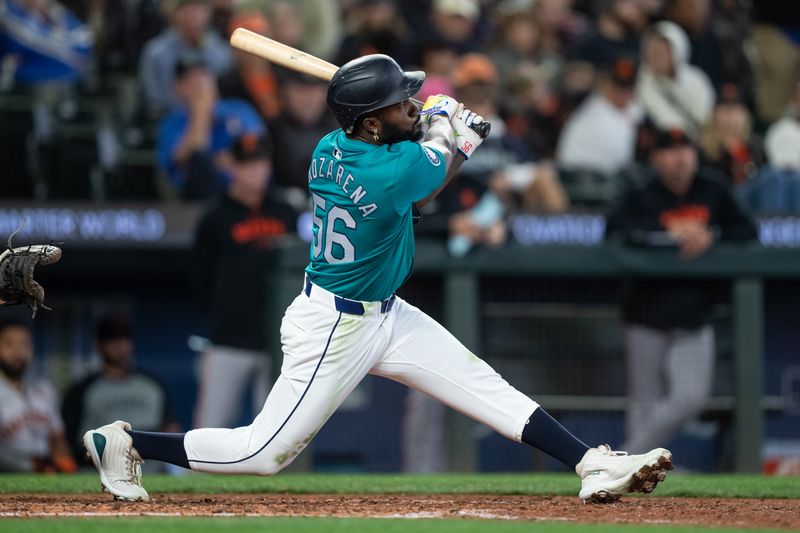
(745, 266)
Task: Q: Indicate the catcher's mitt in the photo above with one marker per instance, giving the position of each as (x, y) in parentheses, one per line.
(16, 273)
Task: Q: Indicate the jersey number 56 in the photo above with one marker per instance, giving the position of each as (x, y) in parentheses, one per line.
(325, 235)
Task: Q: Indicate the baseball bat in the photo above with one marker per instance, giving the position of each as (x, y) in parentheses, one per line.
(297, 60)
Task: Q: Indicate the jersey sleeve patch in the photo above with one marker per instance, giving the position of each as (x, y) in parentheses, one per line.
(433, 156)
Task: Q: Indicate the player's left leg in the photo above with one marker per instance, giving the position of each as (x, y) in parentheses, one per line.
(424, 355)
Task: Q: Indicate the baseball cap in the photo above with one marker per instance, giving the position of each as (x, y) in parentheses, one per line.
(474, 68)
(466, 8)
(670, 138)
(189, 59)
(251, 147)
(113, 326)
(622, 70)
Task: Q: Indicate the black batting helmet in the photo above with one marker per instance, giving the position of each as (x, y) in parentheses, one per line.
(369, 83)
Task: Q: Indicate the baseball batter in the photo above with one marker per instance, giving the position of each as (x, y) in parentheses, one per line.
(347, 322)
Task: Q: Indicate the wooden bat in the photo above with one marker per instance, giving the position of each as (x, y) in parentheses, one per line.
(294, 59)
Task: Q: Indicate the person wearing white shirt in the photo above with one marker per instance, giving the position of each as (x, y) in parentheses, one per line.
(675, 94)
(600, 136)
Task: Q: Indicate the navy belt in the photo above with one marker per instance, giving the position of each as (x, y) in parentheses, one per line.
(352, 307)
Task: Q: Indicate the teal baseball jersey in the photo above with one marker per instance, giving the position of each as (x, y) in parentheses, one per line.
(363, 244)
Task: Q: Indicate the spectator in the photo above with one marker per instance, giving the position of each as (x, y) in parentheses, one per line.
(600, 136)
(776, 188)
(42, 42)
(188, 31)
(252, 78)
(727, 143)
(518, 41)
(117, 390)
(674, 93)
(775, 46)
(376, 29)
(560, 26)
(232, 252)
(616, 32)
(304, 119)
(783, 137)
(193, 140)
(313, 26)
(669, 340)
(31, 430)
(455, 22)
(437, 58)
(694, 16)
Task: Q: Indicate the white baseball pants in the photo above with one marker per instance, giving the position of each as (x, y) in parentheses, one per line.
(327, 353)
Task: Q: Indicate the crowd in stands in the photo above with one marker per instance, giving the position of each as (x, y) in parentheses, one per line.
(142, 100)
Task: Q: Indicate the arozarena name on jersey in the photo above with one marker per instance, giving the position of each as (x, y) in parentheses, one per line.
(328, 168)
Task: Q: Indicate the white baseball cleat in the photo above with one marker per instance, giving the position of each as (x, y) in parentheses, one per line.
(606, 475)
(111, 450)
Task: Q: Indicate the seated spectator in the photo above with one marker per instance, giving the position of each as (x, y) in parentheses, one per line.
(674, 93)
(252, 78)
(193, 140)
(455, 21)
(615, 32)
(117, 390)
(232, 251)
(600, 136)
(313, 26)
(377, 28)
(42, 42)
(437, 59)
(782, 139)
(669, 340)
(303, 121)
(189, 30)
(776, 188)
(727, 143)
(694, 17)
(518, 40)
(560, 26)
(31, 430)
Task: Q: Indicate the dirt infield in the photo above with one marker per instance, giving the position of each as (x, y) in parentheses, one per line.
(654, 510)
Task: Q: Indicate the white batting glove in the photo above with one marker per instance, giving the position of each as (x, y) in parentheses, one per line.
(467, 140)
(440, 104)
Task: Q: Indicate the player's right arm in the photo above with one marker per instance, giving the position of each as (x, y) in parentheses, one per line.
(463, 142)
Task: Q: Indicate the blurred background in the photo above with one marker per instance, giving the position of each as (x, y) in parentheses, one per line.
(173, 170)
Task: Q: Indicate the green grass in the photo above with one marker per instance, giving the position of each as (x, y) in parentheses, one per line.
(718, 486)
(346, 525)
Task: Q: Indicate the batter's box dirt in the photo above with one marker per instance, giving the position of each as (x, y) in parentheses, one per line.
(654, 510)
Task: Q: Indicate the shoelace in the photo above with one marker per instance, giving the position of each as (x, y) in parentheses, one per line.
(606, 449)
(133, 467)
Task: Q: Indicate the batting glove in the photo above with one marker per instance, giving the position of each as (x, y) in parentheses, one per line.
(440, 104)
(467, 140)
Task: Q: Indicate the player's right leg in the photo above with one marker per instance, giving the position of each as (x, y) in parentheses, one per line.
(424, 355)
(326, 354)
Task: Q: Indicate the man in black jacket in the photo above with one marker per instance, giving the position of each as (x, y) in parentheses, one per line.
(233, 249)
(669, 340)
